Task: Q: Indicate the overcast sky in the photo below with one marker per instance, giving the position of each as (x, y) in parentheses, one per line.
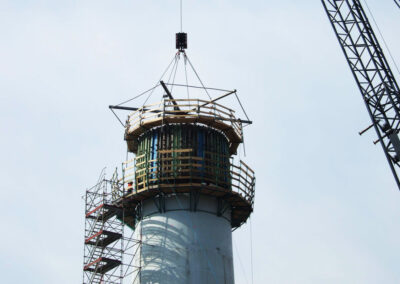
(327, 208)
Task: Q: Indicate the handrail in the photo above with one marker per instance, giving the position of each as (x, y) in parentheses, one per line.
(188, 108)
(181, 164)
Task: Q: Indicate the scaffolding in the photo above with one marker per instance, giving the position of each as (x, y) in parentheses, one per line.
(109, 247)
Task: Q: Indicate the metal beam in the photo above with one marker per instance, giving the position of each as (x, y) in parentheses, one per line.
(170, 95)
(218, 98)
(160, 111)
(133, 109)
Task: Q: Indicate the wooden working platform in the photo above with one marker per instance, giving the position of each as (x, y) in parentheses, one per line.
(184, 111)
(241, 207)
(175, 173)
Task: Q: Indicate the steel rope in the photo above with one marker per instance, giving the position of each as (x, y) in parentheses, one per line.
(380, 33)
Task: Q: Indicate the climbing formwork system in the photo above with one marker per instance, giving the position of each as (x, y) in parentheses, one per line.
(180, 191)
(186, 146)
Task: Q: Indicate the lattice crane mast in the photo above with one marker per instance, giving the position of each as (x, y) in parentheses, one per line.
(372, 73)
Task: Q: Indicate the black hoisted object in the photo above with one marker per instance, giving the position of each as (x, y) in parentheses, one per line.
(373, 75)
(181, 41)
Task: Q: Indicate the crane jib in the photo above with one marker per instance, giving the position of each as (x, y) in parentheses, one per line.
(372, 73)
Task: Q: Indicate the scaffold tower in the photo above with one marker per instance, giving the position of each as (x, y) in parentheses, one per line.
(106, 245)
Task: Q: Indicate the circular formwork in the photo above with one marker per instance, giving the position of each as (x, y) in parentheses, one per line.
(184, 111)
(189, 159)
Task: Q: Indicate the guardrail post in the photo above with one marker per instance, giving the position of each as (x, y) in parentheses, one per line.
(230, 172)
(163, 112)
(123, 177)
(158, 175)
(191, 167)
(241, 130)
(215, 110)
(134, 176)
(146, 183)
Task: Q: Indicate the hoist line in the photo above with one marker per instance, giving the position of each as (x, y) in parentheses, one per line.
(138, 96)
(240, 261)
(187, 83)
(166, 70)
(198, 77)
(380, 33)
(149, 90)
(181, 17)
(251, 251)
(176, 69)
(173, 68)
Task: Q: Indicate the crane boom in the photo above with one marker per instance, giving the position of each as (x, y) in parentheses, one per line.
(372, 73)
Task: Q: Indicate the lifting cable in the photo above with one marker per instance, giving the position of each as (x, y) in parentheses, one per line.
(251, 251)
(240, 261)
(198, 77)
(138, 96)
(397, 2)
(151, 90)
(380, 33)
(166, 70)
(172, 69)
(127, 101)
(176, 69)
(187, 83)
(181, 18)
(185, 59)
(171, 74)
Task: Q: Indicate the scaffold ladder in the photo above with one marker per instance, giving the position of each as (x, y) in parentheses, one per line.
(103, 250)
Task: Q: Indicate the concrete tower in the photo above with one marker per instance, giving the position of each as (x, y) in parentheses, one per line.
(183, 189)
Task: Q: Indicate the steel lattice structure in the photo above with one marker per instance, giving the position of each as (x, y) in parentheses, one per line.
(109, 247)
(372, 73)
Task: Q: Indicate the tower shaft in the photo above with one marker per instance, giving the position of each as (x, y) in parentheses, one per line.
(185, 245)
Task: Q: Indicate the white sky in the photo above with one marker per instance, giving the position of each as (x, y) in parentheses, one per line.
(327, 208)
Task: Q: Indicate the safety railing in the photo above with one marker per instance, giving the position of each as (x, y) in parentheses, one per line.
(185, 109)
(243, 181)
(174, 167)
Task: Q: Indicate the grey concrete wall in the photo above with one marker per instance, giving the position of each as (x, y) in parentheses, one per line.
(183, 247)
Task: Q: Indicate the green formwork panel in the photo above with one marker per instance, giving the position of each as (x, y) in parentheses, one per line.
(210, 152)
